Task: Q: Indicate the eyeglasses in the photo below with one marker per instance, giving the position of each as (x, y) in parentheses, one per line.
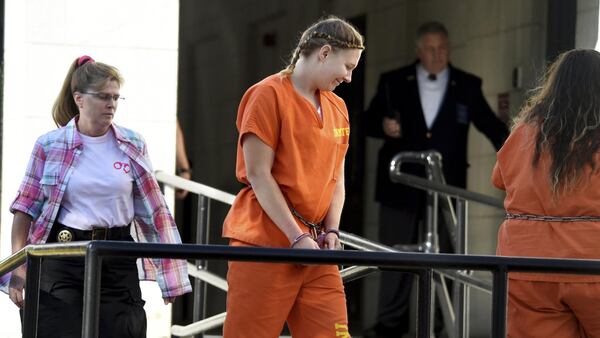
(105, 97)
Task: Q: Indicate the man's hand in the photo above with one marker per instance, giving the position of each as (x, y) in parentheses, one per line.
(391, 127)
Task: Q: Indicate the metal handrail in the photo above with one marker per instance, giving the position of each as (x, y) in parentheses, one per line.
(199, 326)
(55, 249)
(431, 159)
(425, 184)
(194, 187)
(208, 277)
(95, 250)
(456, 220)
(497, 264)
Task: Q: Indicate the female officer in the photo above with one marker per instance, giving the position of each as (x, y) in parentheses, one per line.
(91, 179)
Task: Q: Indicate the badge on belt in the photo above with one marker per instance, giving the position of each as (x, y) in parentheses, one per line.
(64, 236)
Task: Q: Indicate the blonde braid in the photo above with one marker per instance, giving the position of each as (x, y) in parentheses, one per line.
(331, 31)
(290, 67)
(335, 41)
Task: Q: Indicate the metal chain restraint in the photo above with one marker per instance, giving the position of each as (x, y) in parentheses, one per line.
(553, 218)
(314, 228)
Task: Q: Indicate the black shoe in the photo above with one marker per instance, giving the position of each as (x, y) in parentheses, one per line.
(381, 331)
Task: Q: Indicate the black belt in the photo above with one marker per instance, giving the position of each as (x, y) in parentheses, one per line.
(64, 234)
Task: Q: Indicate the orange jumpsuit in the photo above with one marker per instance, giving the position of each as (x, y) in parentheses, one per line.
(309, 153)
(547, 305)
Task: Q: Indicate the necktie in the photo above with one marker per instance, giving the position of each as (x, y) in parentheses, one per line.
(432, 77)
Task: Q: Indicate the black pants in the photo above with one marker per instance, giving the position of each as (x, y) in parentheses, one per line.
(401, 226)
(61, 298)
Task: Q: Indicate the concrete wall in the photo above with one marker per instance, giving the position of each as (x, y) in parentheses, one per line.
(586, 29)
(42, 38)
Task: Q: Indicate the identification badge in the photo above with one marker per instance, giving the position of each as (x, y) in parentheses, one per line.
(462, 113)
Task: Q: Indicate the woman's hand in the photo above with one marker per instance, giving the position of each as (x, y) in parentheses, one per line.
(169, 300)
(332, 242)
(17, 283)
(181, 194)
(306, 243)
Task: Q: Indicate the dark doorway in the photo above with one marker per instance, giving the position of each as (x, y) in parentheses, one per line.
(352, 216)
(562, 18)
(1, 78)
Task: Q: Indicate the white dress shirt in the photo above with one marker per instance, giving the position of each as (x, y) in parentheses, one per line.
(431, 92)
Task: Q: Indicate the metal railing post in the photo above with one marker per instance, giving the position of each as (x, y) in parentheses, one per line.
(431, 224)
(32, 293)
(425, 304)
(200, 288)
(435, 173)
(91, 293)
(461, 290)
(499, 297)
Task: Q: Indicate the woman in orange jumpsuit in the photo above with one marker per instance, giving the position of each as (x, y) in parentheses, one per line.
(549, 167)
(293, 136)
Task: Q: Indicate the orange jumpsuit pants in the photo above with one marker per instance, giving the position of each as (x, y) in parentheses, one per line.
(263, 296)
(554, 309)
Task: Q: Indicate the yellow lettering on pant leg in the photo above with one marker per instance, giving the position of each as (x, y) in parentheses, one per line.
(341, 326)
(341, 330)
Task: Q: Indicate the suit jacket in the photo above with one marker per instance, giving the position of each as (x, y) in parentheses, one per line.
(398, 96)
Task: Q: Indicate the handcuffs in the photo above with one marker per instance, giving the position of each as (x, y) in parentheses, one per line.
(315, 230)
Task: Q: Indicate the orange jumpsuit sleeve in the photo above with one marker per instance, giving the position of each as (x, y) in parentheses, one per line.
(497, 179)
(260, 115)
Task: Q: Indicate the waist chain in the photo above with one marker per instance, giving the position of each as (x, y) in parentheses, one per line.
(314, 228)
(529, 217)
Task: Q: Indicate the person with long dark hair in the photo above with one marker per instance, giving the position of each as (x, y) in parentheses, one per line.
(550, 169)
(90, 179)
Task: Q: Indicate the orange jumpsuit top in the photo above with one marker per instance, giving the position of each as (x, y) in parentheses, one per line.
(528, 192)
(309, 155)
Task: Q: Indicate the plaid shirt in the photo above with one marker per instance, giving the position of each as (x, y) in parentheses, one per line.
(52, 162)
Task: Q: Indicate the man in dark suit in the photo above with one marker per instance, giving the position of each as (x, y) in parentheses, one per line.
(427, 105)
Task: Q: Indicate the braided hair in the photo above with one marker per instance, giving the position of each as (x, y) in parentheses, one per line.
(333, 31)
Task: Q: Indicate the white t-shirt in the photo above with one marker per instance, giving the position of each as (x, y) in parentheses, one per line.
(431, 92)
(100, 190)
